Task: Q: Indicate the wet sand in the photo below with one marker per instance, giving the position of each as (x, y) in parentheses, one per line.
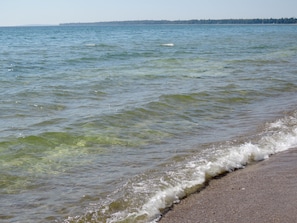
(262, 192)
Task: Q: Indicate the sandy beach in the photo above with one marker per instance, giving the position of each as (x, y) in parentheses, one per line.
(261, 192)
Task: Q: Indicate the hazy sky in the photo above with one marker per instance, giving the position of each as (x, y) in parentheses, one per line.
(27, 12)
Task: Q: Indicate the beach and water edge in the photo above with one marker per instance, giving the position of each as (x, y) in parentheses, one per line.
(264, 191)
(120, 123)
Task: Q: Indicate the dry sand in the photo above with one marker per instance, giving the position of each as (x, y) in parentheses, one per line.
(262, 192)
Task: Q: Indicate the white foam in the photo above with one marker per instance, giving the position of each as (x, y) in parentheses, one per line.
(229, 159)
(168, 44)
(186, 177)
(90, 44)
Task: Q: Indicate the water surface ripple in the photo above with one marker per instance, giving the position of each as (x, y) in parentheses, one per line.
(116, 123)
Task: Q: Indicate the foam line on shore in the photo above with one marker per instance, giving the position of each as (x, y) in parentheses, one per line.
(262, 192)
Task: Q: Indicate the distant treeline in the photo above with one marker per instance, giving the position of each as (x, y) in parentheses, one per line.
(190, 22)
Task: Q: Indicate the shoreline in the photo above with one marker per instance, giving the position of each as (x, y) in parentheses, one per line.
(262, 192)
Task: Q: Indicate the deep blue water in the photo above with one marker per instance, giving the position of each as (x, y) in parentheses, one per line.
(114, 123)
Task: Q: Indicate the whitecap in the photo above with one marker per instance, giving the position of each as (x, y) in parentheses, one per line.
(90, 44)
(168, 44)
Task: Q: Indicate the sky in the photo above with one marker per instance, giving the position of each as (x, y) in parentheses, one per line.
(53, 12)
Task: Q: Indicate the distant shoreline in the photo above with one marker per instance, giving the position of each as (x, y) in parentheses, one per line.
(189, 22)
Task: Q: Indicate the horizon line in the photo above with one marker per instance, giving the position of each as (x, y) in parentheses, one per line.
(154, 21)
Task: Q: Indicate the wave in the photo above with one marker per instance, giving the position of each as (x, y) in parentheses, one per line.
(100, 45)
(144, 198)
(167, 44)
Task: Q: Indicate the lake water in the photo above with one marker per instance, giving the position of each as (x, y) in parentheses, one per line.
(117, 123)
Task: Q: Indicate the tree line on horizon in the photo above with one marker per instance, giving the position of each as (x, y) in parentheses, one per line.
(192, 22)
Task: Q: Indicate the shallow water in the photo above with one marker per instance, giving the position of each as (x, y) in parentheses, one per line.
(115, 123)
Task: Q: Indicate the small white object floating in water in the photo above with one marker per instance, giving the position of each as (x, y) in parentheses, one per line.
(168, 44)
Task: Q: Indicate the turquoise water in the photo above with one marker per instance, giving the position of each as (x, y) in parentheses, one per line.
(117, 123)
